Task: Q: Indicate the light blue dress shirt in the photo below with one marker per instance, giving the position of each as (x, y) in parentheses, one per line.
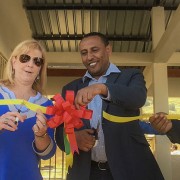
(98, 152)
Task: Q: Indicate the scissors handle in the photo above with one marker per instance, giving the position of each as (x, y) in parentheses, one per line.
(17, 119)
(96, 131)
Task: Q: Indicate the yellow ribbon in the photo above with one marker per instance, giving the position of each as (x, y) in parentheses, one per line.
(31, 106)
(143, 117)
(69, 161)
(112, 118)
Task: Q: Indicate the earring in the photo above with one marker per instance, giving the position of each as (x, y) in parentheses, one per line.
(37, 78)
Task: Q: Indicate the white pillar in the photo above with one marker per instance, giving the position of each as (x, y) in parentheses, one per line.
(162, 147)
(158, 25)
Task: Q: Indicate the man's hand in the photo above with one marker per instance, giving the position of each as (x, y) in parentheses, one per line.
(85, 139)
(86, 95)
(160, 123)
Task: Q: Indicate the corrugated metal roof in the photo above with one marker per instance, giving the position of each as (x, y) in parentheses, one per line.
(60, 24)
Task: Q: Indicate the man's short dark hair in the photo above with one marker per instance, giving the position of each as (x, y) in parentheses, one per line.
(102, 36)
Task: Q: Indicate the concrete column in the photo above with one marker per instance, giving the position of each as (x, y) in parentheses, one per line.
(158, 25)
(162, 147)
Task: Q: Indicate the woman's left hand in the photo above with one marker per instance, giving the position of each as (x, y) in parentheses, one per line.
(40, 128)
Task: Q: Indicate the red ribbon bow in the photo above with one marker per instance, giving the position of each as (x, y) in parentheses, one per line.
(65, 112)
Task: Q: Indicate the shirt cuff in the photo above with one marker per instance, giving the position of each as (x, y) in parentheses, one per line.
(46, 151)
(108, 98)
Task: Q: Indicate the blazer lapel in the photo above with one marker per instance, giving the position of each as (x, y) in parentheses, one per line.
(84, 84)
(110, 79)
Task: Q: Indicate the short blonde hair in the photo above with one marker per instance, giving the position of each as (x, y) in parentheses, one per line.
(23, 48)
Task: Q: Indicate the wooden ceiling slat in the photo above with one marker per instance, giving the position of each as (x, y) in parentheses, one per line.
(174, 73)
(66, 72)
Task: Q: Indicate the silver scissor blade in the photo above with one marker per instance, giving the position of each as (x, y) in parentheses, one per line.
(19, 111)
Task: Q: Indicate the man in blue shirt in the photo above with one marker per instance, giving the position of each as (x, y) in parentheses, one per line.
(122, 151)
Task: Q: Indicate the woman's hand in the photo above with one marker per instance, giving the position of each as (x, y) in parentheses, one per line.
(42, 139)
(40, 128)
(8, 120)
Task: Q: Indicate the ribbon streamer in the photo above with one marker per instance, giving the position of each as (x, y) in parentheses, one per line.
(31, 106)
(35, 107)
(143, 117)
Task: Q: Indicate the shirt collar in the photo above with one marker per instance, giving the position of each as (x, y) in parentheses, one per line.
(112, 69)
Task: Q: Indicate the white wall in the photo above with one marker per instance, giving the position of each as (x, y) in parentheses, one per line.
(14, 25)
(173, 88)
(175, 160)
(55, 84)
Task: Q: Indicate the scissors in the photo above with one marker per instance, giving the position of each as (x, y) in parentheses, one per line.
(19, 111)
(96, 133)
(17, 119)
(15, 122)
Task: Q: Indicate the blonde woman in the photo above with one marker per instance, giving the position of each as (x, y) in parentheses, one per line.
(23, 144)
